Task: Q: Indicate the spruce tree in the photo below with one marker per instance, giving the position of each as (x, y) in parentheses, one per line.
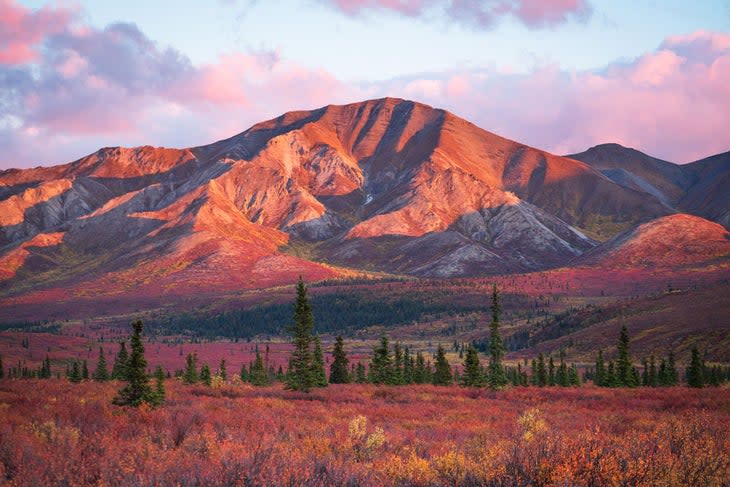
(222, 372)
(672, 373)
(472, 376)
(599, 378)
(408, 366)
(318, 373)
(420, 374)
(624, 369)
(75, 374)
(258, 375)
(299, 375)
(100, 373)
(653, 376)
(243, 374)
(119, 369)
(551, 372)
(573, 376)
(205, 376)
(695, 370)
(338, 370)
(496, 376)
(561, 377)
(159, 396)
(190, 376)
(138, 389)
(2, 368)
(360, 374)
(85, 370)
(397, 364)
(381, 365)
(442, 376)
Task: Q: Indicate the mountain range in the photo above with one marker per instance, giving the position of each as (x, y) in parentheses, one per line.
(382, 187)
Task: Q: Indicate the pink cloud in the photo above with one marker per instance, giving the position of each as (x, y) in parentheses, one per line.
(477, 14)
(671, 103)
(21, 30)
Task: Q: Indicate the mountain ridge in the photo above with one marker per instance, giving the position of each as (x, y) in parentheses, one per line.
(386, 186)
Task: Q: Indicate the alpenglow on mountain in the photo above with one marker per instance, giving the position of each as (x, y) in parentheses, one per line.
(384, 186)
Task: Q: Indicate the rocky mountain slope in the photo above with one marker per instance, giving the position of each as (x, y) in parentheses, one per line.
(384, 185)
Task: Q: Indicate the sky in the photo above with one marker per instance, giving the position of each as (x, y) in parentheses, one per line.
(560, 75)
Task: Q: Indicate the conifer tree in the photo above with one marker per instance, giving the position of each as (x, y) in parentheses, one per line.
(119, 369)
(338, 370)
(381, 365)
(85, 370)
(205, 376)
(472, 376)
(695, 370)
(75, 374)
(672, 373)
(258, 375)
(222, 372)
(442, 376)
(573, 376)
(100, 373)
(408, 366)
(138, 389)
(2, 368)
(599, 378)
(611, 379)
(561, 377)
(360, 375)
(397, 364)
(496, 377)
(318, 373)
(551, 372)
(159, 396)
(299, 374)
(190, 376)
(653, 376)
(244, 373)
(625, 375)
(420, 375)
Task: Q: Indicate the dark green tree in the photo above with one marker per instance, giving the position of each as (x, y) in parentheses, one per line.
(409, 365)
(599, 378)
(258, 375)
(573, 376)
(561, 376)
(672, 374)
(299, 374)
(85, 370)
(542, 373)
(551, 372)
(421, 372)
(472, 376)
(496, 377)
(381, 365)
(75, 374)
(442, 376)
(222, 372)
(101, 374)
(318, 372)
(205, 376)
(190, 376)
(2, 368)
(119, 369)
(138, 389)
(244, 373)
(624, 368)
(360, 374)
(696, 370)
(398, 364)
(159, 396)
(339, 369)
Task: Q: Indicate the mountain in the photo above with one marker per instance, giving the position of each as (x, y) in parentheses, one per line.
(676, 242)
(383, 186)
(700, 188)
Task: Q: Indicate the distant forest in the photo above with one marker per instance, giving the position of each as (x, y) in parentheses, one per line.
(334, 312)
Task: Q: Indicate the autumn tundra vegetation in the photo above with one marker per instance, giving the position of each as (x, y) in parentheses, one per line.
(399, 418)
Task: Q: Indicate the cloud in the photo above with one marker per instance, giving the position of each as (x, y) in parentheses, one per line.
(78, 87)
(75, 88)
(671, 103)
(477, 14)
(22, 30)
